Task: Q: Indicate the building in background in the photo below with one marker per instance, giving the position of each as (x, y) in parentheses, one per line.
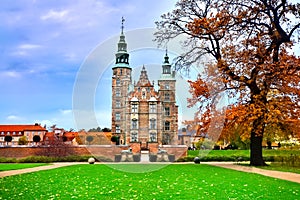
(18, 131)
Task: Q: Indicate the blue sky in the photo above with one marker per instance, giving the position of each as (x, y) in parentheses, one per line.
(47, 46)
(43, 44)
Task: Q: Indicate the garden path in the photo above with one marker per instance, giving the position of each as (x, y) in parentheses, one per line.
(229, 165)
(271, 173)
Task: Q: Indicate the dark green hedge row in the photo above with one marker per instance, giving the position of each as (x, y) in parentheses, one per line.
(287, 159)
(45, 159)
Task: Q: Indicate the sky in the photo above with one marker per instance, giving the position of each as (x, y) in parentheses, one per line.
(43, 45)
(56, 58)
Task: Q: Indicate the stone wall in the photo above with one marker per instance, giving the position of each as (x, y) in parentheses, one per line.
(106, 151)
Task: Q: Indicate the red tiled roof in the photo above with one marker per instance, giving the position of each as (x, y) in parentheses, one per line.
(21, 128)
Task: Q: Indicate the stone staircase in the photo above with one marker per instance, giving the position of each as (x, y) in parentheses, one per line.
(145, 156)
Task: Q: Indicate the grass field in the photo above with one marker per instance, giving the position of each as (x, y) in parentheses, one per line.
(14, 166)
(176, 181)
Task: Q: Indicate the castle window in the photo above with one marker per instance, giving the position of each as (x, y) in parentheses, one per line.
(118, 130)
(153, 137)
(167, 111)
(144, 95)
(134, 108)
(152, 108)
(167, 96)
(121, 71)
(133, 137)
(152, 123)
(118, 116)
(118, 93)
(167, 86)
(134, 124)
(167, 126)
(118, 104)
(118, 82)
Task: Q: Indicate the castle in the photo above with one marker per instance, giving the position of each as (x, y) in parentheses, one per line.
(139, 112)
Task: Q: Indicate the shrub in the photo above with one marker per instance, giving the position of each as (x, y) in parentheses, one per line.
(136, 157)
(171, 157)
(152, 157)
(118, 157)
(23, 140)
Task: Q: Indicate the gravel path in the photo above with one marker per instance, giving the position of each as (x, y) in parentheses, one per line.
(271, 173)
(229, 165)
(34, 169)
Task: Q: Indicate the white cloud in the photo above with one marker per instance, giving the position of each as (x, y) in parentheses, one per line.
(55, 15)
(65, 112)
(10, 74)
(29, 46)
(13, 118)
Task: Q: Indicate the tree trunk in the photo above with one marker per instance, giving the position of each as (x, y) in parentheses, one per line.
(256, 157)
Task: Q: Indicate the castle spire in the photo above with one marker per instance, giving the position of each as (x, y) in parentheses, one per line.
(166, 57)
(122, 27)
(122, 57)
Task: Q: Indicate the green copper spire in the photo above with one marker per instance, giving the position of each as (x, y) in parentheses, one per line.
(122, 57)
(166, 57)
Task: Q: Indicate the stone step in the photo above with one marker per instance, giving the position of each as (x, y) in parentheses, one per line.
(144, 152)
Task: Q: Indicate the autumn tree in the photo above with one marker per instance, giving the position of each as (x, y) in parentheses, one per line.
(250, 49)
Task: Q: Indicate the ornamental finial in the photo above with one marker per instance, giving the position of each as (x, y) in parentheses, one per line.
(122, 27)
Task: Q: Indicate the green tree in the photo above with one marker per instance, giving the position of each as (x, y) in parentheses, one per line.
(23, 140)
(7, 139)
(106, 129)
(98, 129)
(89, 139)
(36, 139)
(249, 47)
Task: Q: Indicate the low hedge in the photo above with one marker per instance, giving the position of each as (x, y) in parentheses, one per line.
(45, 159)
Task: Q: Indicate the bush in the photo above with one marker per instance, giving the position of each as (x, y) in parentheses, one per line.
(23, 140)
(152, 157)
(171, 157)
(118, 157)
(136, 157)
(46, 159)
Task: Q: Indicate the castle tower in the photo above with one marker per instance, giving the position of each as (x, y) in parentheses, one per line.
(169, 117)
(121, 81)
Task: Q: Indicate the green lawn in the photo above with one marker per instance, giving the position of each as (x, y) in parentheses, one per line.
(176, 181)
(13, 166)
